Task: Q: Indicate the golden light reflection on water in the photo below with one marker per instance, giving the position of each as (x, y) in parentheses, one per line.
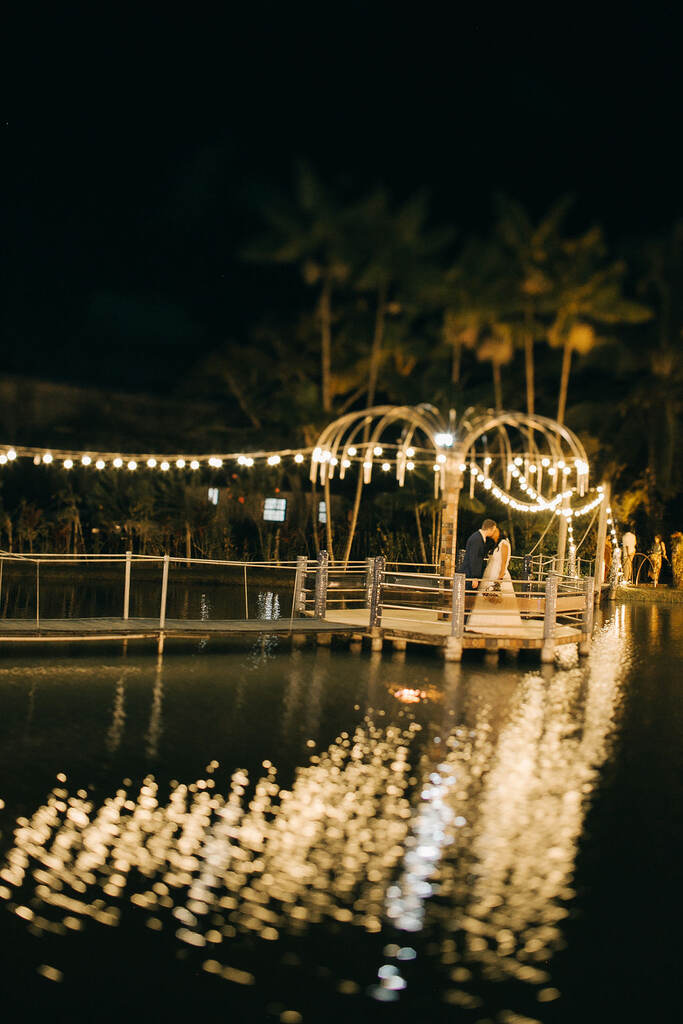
(472, 840)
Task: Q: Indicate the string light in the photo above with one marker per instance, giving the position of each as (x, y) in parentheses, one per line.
(180, 463)
(68, 463)
(100, 464)
(194, 464)
(298, 458)
(117, 463)
(86, 460)
(151, 463)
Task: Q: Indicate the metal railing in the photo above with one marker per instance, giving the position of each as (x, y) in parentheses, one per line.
(556, 600)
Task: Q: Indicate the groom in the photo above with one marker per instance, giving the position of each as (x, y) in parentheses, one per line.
(473, 566)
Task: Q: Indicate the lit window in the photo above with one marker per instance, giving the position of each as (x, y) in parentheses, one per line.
(274, 510)
(322, 512)
(213, 495)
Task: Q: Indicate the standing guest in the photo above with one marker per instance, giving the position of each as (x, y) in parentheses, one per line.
(473, 566)
(628, 543)
(606, 559)
(677, 558)
(657, 555)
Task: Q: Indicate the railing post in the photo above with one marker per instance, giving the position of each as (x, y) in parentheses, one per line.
(453, 648)
(126, 585)
(376, 591)
(587, 618)
(38, 595)
(300, 584)
(549, 619)
(321, 577)
(615, 573)
(164, 592)
(369, 569)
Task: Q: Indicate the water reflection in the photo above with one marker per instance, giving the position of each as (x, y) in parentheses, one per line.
(155, 728)
(457, 819)
(118, 718)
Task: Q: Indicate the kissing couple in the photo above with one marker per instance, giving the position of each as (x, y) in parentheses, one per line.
(495, 608)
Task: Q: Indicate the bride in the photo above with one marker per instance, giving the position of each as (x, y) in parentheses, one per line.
(495, 608)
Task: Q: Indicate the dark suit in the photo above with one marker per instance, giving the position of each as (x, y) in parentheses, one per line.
(473, 566)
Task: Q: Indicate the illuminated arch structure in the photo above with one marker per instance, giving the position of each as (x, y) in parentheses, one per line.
(525, 462)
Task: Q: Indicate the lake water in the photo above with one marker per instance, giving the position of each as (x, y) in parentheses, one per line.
(316, 835)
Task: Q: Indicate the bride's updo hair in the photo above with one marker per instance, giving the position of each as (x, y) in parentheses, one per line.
(503, 535)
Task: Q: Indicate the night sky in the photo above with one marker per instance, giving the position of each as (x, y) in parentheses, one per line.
(135, 152)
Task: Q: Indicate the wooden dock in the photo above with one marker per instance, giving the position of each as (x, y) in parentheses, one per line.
(17, 630)
(360, 601)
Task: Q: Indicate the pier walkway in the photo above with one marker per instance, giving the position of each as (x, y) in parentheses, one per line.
(356, 601)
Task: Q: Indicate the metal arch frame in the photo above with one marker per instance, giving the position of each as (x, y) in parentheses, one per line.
(332, 447)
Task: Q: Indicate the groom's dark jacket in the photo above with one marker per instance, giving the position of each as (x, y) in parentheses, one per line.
(473, 566)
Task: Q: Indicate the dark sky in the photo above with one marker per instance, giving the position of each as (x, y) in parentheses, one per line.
(133, 147)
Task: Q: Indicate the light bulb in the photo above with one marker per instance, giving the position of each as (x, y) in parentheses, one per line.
(151, 463)
(386, 467)
(100, 464)
(410, 465)
(165, 465)
(180, 463)
(377, 450)
(132, 465)
(47, 458)
(11, 455)
(436, 467)
(441, 458)
(3, 459)
(298, 457)
(117, 463)
(68, 463)
(352, 451)
(85, 460)
(410, 452)
(273, 460)
(346, 463)
(194, 464)
(545, 462)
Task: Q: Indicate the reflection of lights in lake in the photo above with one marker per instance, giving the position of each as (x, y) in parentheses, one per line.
(474, 844)
(408, 696)
(222, 865)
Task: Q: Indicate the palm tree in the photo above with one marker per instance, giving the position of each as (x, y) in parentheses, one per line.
(496, 346)
(398, 269)
(311, 233)
(532, 250)
(587, 291)
(399, 273)
(480, 308)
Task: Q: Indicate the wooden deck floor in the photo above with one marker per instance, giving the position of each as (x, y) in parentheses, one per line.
(424, 626)
(117, 628)
(397, 625)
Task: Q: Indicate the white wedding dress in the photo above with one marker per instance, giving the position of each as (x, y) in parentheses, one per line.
(503, 618)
